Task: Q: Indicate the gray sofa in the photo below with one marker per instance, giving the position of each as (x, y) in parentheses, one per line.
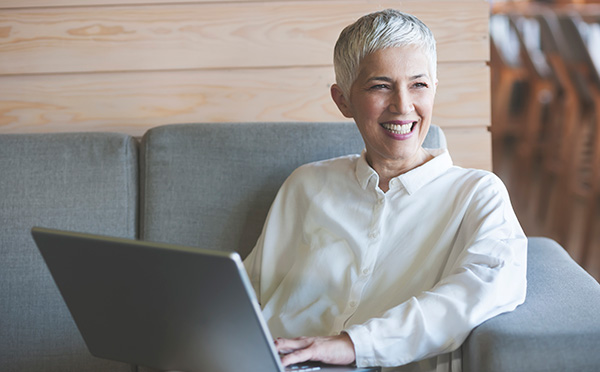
(211, 185)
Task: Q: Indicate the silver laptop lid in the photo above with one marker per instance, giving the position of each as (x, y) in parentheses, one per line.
(158, 305)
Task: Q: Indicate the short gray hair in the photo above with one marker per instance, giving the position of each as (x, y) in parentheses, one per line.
(375, 31)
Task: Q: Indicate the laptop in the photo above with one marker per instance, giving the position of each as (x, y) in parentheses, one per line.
(163, 306)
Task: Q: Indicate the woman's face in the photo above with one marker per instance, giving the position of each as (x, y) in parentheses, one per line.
(391, 102)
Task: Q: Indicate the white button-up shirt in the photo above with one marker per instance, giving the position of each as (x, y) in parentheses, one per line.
(407, 273)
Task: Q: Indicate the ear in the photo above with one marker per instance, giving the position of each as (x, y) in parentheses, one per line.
(341, 102)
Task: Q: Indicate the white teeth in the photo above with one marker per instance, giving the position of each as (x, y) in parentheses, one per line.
(398, 128)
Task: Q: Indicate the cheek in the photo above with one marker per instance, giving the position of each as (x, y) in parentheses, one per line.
(425, 106)
(369, 108)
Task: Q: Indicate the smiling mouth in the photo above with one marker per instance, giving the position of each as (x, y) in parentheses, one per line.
(403, 128)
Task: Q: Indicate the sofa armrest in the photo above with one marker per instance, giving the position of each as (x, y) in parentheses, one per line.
(556, 329)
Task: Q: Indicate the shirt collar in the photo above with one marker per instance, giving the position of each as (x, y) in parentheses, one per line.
(364, 172)
(412, 180)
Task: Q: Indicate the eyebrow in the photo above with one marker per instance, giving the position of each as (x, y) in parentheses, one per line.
(389, 80)
(418, 76)
(381, 78)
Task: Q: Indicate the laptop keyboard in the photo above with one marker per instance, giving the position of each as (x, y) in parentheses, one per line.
(302, 368)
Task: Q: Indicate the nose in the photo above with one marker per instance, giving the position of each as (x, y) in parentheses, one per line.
(401, 103)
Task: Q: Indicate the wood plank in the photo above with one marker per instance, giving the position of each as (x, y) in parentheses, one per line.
(133, 102)
(213, 35)
(470, 147)
(17, 4)
(14, 4)
(463, 96)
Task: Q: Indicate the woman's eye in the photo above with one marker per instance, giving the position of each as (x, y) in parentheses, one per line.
(379, 86)
(421, 85)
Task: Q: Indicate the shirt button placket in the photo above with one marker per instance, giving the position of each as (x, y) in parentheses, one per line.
(374, 235)
(375, 221)
(355, 294)
(369, 257)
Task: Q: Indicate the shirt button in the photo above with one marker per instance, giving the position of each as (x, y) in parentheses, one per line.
(366, 272)
(373, 234)
(352, 304)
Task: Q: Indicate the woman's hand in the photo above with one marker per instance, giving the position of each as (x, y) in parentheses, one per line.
(331, 350)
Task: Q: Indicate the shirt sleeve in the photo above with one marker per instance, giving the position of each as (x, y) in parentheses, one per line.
(485, 276)
(274, 253)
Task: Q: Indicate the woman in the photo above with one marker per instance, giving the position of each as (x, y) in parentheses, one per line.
(393, 256)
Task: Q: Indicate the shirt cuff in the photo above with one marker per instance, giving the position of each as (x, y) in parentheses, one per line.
(363, 346)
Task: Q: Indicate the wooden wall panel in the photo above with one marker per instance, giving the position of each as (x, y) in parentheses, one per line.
(222, 35)
(108, 65)
(135, 101)
(463, 95)
(470, 147)
(61, 3)
(16, 4)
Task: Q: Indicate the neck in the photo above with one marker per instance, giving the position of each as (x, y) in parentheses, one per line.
(391, 168)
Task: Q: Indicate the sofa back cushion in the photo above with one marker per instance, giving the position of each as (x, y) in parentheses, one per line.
(83, 182)
(211, 185)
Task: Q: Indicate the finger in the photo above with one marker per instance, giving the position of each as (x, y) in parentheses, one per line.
(287, 345)
(332, 350)
(296, 357)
